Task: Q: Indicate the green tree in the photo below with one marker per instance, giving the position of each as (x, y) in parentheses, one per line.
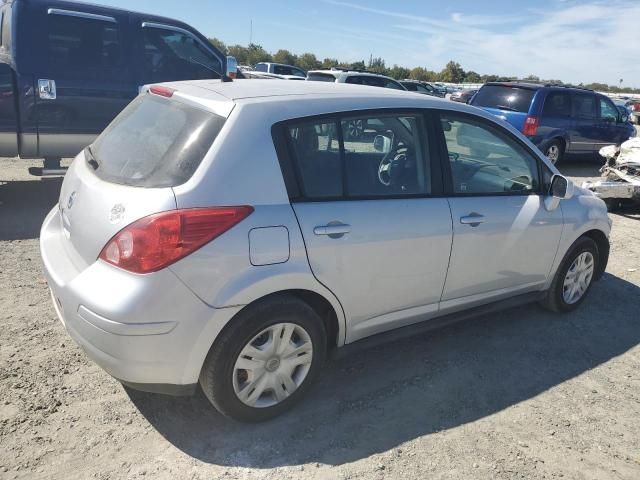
(285, 56)
(358, 65)
(219, 44)
(377, 65)
(399, 73)
(422, 74)
(473, 77)
(255, 54)
(452, 73)
(308, 61)
(330, 62)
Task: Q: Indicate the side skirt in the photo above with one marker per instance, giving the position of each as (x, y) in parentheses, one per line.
(434, 324)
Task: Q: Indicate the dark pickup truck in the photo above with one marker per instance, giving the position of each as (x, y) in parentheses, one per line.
(68, 68)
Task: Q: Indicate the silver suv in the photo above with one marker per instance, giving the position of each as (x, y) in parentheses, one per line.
(354, 77)
(233, 234)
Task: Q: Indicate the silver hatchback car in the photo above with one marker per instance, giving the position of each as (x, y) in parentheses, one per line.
(234, 234)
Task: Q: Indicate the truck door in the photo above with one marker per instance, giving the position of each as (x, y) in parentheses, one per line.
(86, 81)
(8, 117)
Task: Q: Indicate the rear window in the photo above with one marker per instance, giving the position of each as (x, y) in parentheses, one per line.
(154, 142)
(321, 77)
(513, 99)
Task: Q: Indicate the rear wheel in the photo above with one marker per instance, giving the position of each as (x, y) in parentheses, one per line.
(266, 360)
(554, 151)
(574, 277)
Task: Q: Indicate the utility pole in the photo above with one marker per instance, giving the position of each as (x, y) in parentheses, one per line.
(251, 31)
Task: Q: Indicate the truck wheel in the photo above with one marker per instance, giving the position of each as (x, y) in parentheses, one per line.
(554, 151)
(574, 277)
(266, 360)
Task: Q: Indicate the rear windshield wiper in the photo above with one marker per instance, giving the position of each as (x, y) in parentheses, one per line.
(503, 107)
(91, 160)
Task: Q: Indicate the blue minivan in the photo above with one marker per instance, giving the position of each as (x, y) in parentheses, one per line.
(558, 119)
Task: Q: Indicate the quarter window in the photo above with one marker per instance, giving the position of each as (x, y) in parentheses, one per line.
(361, 156)
(172, 55)
(77, 43)
(485, 161)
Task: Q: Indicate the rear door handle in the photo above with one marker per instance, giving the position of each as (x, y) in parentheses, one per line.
(473, 219)
(333, 230)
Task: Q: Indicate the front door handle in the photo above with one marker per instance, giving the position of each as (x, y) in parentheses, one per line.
(333, 230)
(473, 219)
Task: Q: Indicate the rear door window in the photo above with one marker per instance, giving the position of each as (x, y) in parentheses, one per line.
(504, 97)
(154, 142)
(557, 104)
(78, 43)
(173, 55)
(362, 156)
(584, 107)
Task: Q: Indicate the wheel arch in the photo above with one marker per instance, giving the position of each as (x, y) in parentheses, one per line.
(602, 242)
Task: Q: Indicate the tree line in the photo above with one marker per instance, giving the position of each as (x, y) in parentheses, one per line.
(451, 73)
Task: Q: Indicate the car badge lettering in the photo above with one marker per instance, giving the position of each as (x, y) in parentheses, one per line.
(71, 200)
(117, 213)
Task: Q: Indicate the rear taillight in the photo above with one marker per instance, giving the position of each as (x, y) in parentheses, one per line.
(155, 242)
(162, 91)
(530, 125)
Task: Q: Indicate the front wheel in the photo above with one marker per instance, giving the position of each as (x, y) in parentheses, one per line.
(266, 360)
(574, 277)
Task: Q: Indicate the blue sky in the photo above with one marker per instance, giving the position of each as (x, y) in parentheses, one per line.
(575, 41)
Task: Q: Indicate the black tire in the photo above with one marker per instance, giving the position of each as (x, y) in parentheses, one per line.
(554, 149)
(554, 298)
(216, 377)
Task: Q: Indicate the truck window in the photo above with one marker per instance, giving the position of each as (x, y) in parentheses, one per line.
(262, 67)
(77, 43)
(172, 55)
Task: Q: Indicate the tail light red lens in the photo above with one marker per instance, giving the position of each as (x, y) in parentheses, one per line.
(531, 125)
(155, 242)
(162, 91)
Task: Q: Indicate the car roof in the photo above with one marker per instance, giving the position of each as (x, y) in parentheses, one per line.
(352, 72)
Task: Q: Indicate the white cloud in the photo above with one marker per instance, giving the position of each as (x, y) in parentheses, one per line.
(590, 41)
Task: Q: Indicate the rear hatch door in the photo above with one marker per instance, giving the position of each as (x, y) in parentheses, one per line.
(128, 173)
(508, 102)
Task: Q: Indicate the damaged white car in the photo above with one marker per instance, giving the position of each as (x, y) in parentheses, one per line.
(621, 175)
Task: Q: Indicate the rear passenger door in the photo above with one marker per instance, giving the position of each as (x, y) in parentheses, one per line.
(86, 80)
(557, 120)
(376, 233)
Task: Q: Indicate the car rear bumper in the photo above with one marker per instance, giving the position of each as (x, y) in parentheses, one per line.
(148, 331)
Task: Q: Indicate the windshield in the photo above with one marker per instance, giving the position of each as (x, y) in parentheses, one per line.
(513, 99)
(154, 142)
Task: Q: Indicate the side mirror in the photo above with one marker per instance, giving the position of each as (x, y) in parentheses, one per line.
(232, 67)
(561, 189)
(382, 144)
(446, 125)
(623, 118)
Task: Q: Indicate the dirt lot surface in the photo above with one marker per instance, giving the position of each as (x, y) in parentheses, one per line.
(521, 394)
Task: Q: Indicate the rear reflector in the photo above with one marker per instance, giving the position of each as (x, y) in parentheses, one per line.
(531, 126)
(155, 242)
(162, 91)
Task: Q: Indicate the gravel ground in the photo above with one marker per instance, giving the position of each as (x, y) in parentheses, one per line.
(521, 394)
